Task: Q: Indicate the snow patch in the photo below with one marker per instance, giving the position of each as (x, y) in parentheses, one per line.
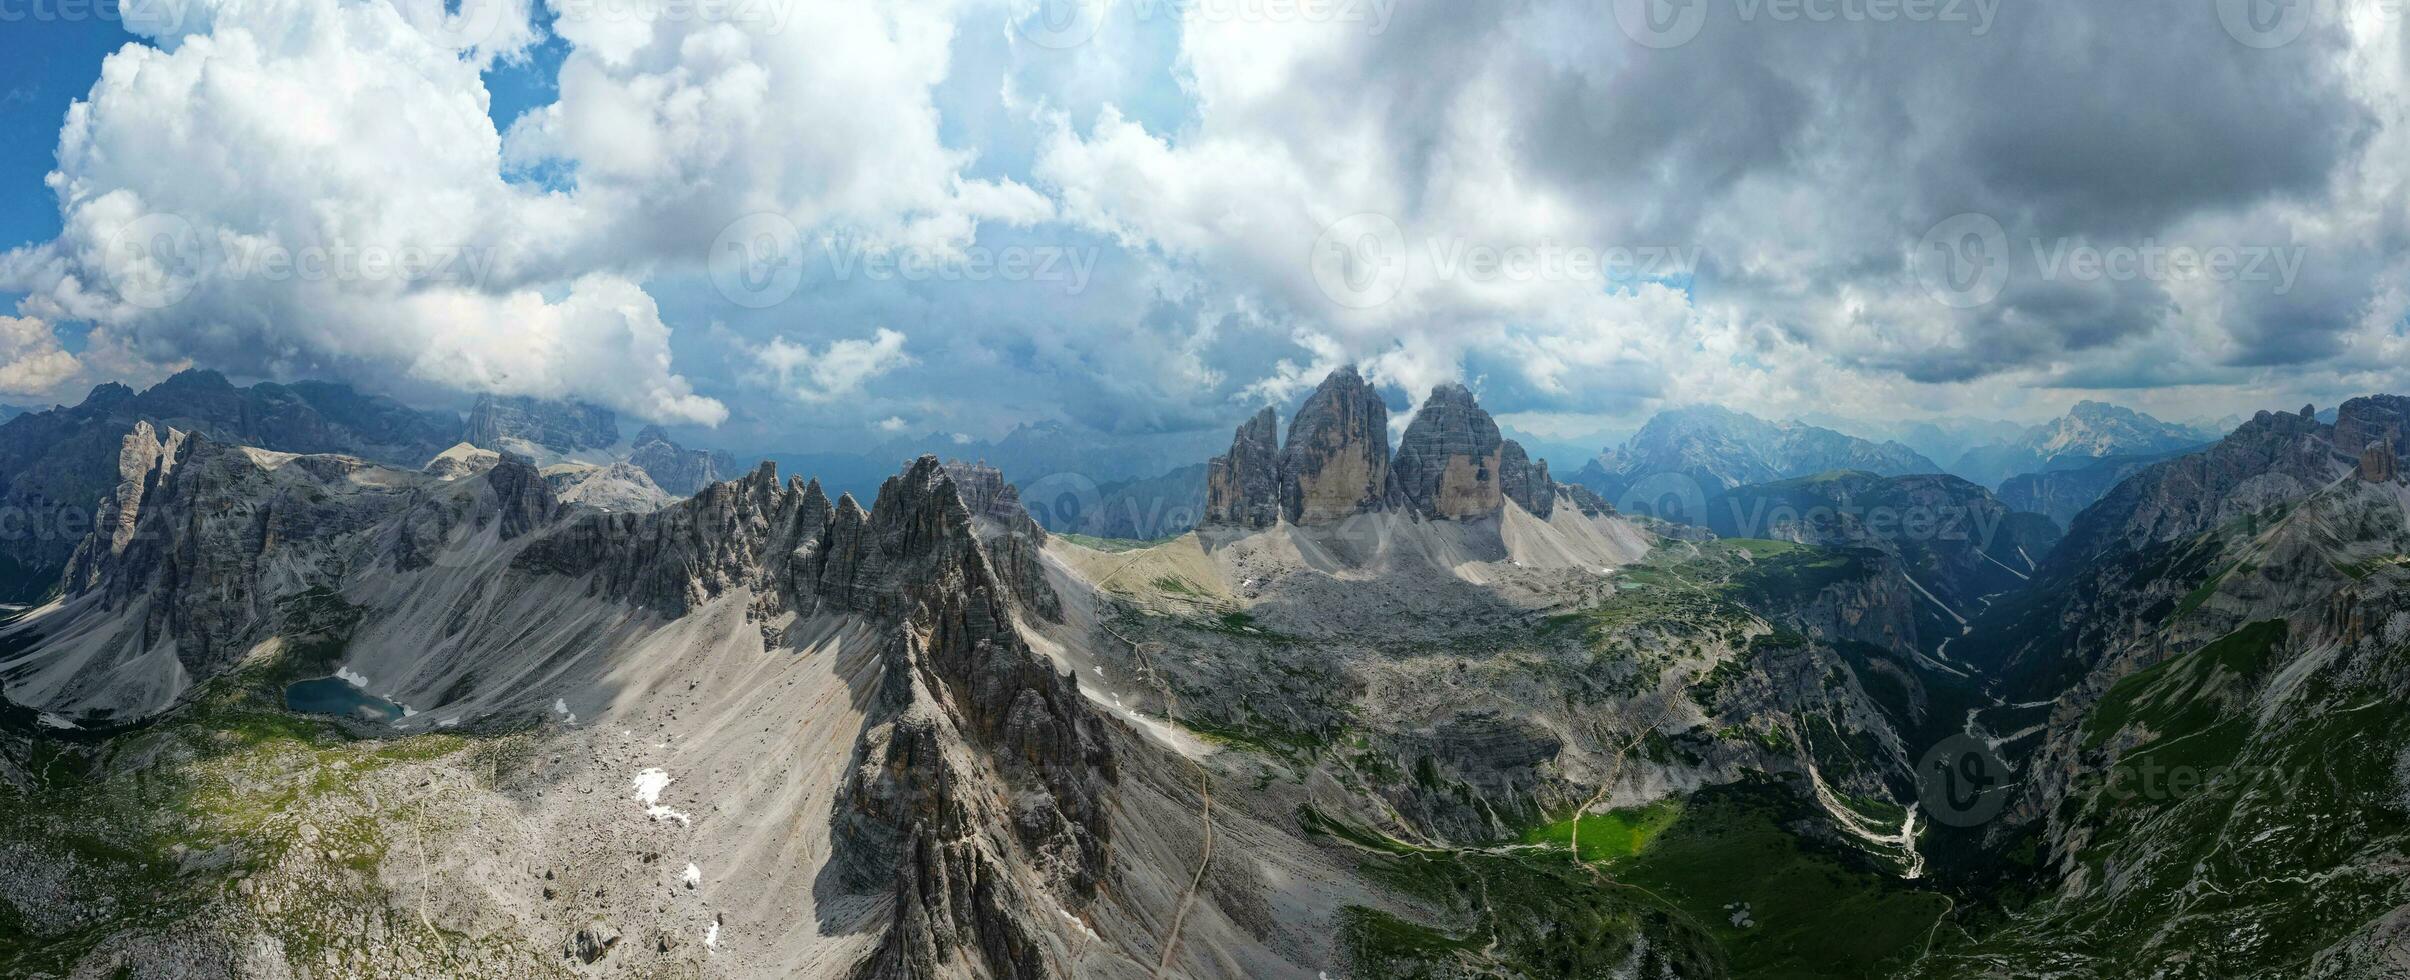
(649, 785)
(1078, 923)
(352, 677)
(561, 707)
(711, 936)
(692, 876)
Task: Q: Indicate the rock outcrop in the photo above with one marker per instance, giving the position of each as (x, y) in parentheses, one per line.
(675, 468)
(965, 709)
(1014, 540)
(1525, 482)
(1449, 465)
(1452, 465)
(619, 486)
(1336, 462)
(203, 539)
(530, 426)
(2378, 464)
(1243, 487)
(57, 465)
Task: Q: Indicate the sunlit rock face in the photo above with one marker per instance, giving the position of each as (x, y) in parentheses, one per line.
(1336, 463)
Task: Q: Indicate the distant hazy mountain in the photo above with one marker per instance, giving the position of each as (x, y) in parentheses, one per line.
(1936, 439)
(2089, 431)
(545, 430)
(2063, 493)
(1144, 509)
(1699, 452)
(1062, 469)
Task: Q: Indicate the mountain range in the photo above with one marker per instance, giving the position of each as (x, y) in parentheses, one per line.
(1685, 455)
(2090, 432)
(1410, 711)
(56, 464)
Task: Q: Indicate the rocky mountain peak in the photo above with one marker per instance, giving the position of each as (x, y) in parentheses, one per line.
(1452, 464)
(2378, 464)
(1449, 463)
(523, 424)
(1242, 487)
(1336, 462)
(677, 469)
(1525, 482)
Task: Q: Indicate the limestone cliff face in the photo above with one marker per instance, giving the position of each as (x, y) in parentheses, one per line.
(1449, 465)
(2378, 465)
(1014, 540)
(1452, 465)
(56, 464)
(1336, 463)
(522, 424)
(1525, 482)
(2377, 420)
(675, 468)
(1242, 489)
(202, 537)
(980, 782)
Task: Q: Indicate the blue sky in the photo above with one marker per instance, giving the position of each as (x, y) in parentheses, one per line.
(795, 224)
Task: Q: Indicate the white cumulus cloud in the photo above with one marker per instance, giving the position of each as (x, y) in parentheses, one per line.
(32, 362)
(839, 369)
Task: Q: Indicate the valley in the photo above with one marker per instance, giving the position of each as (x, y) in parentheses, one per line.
(307, 715)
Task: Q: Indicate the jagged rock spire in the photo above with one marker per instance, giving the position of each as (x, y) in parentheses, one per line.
(1336, 463)
(1453, 463)
(1242, 489)
(1448, 464)
(1525, 482)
